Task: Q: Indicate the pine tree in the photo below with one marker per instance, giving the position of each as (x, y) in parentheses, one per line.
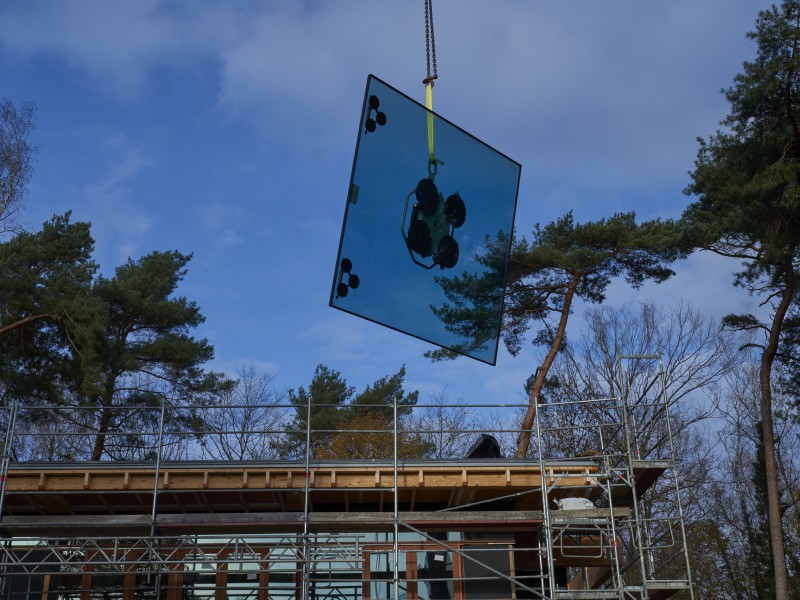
(564, 260)
(325, 396)
(144, 349)
(46, 311)
(69, 337)
(747, 183)
(342, 422)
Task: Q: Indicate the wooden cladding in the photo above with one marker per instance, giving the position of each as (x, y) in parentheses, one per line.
(235, 478)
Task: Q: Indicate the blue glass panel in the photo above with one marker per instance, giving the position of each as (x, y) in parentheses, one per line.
(426, 239)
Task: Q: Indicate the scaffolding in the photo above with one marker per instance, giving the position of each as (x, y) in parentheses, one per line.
(593, 512)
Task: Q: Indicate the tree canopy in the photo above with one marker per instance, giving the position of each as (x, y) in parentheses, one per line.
(747, 183)
(70, 336)
(46, 310)
(146, 351)
(563, 260)
(344, 424)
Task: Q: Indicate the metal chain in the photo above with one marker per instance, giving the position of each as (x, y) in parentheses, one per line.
(430, 43)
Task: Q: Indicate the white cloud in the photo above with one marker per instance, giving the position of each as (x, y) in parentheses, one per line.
(338, 337)
(705, 280)
(579, 85)
(116, 183)
(300, 73)
(600, 102)
(119, 46)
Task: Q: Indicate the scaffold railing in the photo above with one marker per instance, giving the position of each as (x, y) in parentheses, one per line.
(253, 501)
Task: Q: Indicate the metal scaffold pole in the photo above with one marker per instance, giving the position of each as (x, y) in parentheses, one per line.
(4, 464)
(547, 523)
(630, 441)
(6, 456)
(159, 450)
(395, 551)
(306, 570)
(679, 501)
(653, 405)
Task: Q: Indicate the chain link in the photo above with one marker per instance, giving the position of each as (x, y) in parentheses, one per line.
(430, 43)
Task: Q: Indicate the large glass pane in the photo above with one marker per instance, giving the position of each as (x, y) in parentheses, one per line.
(480, 579)
(107, 582)
(381, 575)
(427, 227)
(284, 571)
(435, 575)
(200, 575)
(243, 576)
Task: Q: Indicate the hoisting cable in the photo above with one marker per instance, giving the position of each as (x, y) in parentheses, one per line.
(430, 55)
(430, 43)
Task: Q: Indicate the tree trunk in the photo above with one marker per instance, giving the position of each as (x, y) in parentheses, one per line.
(524, 441)
(770, 462)
(105, 419)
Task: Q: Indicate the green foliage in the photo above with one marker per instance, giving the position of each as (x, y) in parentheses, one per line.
(747, 175)
(748, 322)
(68, 336)
(560, 257)
(145, 350)
(326, 394)
(381, 396)
(147, 329)
(789, 356)
(371, 435)
(336, 408)
(747, 183)
(46, 310)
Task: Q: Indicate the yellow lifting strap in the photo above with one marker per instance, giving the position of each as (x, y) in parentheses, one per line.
(429, 106)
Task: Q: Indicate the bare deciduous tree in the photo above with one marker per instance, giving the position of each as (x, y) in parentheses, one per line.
(247, 423)
(732, 525)
(676, 356)
(445, 425)
(16, 151)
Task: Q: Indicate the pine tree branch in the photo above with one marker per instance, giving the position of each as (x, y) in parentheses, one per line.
(26, 320)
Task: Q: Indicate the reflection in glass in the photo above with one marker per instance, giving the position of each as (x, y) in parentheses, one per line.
(243, 571)
(481, 582)
(381, 575)
(200, 575)
(284, 570)
(435, 575)
(422, 213)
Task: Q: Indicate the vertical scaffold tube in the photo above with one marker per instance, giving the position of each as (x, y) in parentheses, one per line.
(6, 456)
(662, 376)
(159, 450)
(630, 441)
(395, 551)
(306, 546)
(546, 517)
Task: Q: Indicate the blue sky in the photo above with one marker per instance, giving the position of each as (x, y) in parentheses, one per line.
(228, 130)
